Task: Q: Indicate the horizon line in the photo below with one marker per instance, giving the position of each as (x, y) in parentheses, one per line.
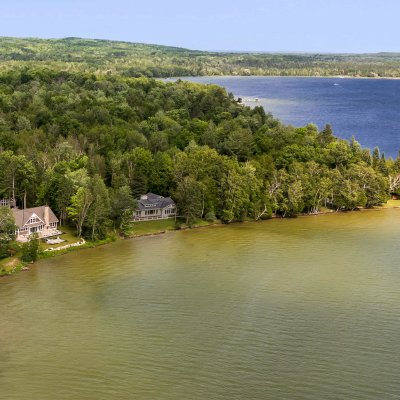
(301, 52)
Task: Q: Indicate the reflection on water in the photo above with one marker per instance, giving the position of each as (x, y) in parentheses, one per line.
(307, 308)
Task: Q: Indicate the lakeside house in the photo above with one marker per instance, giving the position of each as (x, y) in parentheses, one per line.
(40, 220)
(7, 202)
(152, 206)
(4, 203)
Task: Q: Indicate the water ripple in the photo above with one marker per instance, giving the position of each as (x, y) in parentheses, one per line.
(306, 308)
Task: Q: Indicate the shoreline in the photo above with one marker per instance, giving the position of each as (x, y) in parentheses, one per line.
(21, 266)
(187, 77)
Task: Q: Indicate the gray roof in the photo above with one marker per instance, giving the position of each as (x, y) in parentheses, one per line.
(22, 216)
(151, 201)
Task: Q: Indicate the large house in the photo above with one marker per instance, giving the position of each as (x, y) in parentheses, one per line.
(39, 220)
(4, 202)
(7, 202)
(152, 206)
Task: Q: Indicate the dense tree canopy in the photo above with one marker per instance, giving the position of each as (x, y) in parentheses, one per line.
(88, 145)
(138, 60)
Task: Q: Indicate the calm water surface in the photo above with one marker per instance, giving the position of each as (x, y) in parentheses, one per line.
(307, 308)
(369, 109)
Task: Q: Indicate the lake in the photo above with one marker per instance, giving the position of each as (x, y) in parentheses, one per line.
(369, 109)
(305, 308)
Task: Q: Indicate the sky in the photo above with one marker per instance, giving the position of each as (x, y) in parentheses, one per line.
(352, 26)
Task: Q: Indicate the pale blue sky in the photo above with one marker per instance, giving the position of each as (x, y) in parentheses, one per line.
(256, 25)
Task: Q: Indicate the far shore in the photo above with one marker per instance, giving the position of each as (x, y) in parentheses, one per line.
(187, 77)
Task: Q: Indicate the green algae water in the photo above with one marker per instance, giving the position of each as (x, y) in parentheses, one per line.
(307, 308)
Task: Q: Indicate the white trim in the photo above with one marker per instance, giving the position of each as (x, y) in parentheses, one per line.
(33, 215)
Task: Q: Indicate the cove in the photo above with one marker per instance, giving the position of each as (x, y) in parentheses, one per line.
(303, 308)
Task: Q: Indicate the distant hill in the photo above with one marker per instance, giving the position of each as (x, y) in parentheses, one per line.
(139, 59)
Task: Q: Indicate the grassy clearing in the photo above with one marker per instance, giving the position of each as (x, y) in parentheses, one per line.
(392, 204)
(202, 222)
(10, 265)
(144, 228)
(68, 235)
(152, 227)
(87, 245)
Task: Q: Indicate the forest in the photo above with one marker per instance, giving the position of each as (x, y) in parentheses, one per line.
(88, 145)
(144, 60)
(86, 129)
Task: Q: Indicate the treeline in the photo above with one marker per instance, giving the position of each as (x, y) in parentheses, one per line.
(89, 145)
(137, 60)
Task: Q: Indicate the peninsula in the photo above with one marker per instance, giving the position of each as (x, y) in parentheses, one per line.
(87, 143)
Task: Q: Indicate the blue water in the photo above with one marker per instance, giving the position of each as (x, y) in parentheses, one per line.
(369, 109)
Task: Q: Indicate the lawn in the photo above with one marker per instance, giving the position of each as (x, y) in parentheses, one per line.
(68, 235)
(9, 265)
(151, 227)
(162, 225)
(392, 204)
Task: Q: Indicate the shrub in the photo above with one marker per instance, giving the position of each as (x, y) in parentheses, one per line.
(210, 216)
(30, 250)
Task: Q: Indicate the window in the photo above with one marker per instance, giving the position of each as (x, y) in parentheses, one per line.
(150, 212)
(32, 220)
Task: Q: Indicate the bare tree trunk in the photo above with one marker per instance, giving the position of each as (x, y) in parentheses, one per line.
(93, 226)
(83, 215)
(13, 188)
(394, 182)
(262, 213)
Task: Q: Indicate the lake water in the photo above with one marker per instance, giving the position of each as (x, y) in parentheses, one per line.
(369, 109)
(305, 308)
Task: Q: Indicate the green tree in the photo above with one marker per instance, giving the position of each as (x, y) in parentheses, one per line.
(122, 203)
(126, 225)
(17, 175)
(326, 135)
(189, 194)
(79, 208)
(338, 154)
(99, 210)
(236, 186)
(138, 164)
(30, 250)
(7, 230)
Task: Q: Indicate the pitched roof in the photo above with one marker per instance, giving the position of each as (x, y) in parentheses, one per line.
(151, 201)
(22, 216)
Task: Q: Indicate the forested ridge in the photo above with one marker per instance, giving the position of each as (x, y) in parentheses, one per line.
(137, 59)
(88, 145)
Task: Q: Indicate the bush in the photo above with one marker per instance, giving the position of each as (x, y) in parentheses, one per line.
(210, 216)
(30, 250)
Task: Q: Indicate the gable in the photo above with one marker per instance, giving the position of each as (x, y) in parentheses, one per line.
(23, 216)
(32, 219)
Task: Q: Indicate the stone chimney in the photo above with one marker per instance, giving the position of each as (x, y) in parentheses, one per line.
(143, 197)
(46, 217)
